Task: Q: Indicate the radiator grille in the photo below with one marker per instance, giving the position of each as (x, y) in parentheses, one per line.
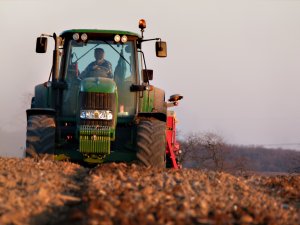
(95, 100)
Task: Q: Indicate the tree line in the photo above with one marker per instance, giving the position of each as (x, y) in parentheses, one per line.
(210, 151)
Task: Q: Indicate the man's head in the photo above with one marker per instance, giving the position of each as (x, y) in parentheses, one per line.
(99, 53)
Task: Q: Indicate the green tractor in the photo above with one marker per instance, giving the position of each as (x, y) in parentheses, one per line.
(98, 105)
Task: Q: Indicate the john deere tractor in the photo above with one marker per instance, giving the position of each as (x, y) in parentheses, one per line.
(110, 113)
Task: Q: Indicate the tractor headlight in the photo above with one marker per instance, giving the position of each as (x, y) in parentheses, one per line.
(84, 37)
(76, 36)
(124, 39)
(96, 114)
(117, 38)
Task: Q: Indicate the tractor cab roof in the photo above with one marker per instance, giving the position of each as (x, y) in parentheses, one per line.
(96, 31)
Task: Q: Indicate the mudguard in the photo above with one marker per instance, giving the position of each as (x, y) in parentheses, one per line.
(41, 97)
(153, 104)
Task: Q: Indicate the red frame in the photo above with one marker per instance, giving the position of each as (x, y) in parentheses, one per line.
(172, 146)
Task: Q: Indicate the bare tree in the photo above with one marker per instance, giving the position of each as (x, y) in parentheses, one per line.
(207, 150)
(214, 149)
(189, 148)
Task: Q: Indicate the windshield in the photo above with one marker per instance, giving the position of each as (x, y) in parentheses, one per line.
(101, 58)
(118, 59)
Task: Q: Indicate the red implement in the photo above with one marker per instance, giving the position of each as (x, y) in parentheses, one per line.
(172, 147)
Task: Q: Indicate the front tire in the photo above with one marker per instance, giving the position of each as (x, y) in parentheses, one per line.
(40, 137)
(151, 142)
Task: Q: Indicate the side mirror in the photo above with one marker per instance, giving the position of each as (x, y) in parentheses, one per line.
(41, 45)
(147, 75)
(161, 49)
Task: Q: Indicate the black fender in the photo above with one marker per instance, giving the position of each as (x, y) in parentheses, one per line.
(159, 104)
(40, 111)
(40, 99)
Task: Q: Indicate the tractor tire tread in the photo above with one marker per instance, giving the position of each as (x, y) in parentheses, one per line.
(40, 137)
(151, 145)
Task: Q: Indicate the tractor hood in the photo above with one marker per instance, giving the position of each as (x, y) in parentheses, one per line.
(98, 84)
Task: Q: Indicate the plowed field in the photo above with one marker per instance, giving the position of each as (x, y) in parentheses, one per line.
(46, 192)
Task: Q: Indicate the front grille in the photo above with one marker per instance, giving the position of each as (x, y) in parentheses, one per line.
(94, 100)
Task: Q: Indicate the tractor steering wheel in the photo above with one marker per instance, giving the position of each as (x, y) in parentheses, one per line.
(99, 71)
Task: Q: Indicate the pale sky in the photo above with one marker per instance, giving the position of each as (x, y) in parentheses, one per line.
(237, 62)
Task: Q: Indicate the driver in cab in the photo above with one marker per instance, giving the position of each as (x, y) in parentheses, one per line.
(99, 68)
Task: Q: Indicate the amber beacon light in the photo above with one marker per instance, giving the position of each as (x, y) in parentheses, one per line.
(142, 24)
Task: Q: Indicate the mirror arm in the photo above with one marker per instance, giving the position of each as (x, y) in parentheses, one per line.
(140, 40)
(152, 39)
(46, 35)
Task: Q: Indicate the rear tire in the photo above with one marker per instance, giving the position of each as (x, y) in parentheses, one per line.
(40, 137)
(151, 142)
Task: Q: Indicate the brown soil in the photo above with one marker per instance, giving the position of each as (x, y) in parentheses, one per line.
(46, 192)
